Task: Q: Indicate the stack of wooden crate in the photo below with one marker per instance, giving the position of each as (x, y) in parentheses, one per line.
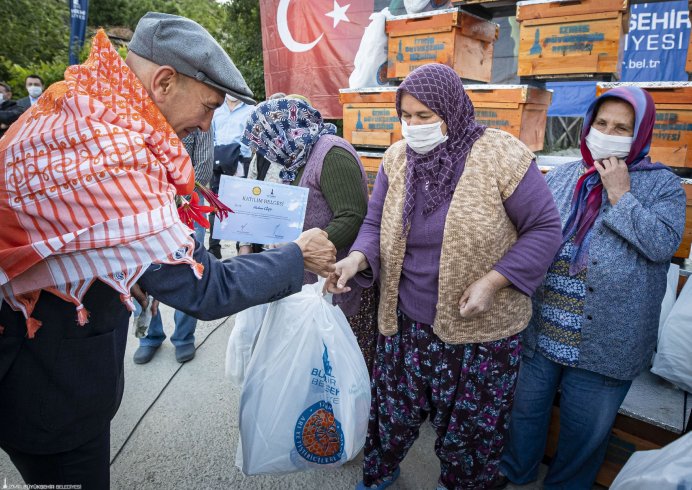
(573, 40)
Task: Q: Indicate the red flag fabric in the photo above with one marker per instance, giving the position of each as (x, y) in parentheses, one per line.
(309, 47)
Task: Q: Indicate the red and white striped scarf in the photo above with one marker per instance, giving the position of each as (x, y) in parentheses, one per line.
(88, 178)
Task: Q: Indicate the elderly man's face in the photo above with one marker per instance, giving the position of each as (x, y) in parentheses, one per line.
(191, 106)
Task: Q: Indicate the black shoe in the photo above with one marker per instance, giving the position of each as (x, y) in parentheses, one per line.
(145, 353)
(500, 482)
(184, 353)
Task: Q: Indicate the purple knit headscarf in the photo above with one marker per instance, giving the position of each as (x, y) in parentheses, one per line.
(440, 88)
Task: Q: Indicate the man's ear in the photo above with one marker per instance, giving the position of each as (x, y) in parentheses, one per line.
(163, 82)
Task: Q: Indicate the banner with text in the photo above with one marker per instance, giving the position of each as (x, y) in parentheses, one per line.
(78, 24)
(656, 45)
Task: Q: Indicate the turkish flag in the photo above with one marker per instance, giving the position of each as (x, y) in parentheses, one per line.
(309, 47)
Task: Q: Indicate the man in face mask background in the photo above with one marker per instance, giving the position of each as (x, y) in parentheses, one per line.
(9, 110)
(596, 315)
(34, 86)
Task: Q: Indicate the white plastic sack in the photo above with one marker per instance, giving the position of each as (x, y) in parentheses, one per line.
(306, 396)
(371, 57)
(242, 341)
(669, 298)
(668, 468)
(418, 6)
(673, 359)
(415, 6)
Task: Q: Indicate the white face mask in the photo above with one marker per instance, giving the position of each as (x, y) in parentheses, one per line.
(422, 138)
(605, 145)
(2, 98)
(34, 91)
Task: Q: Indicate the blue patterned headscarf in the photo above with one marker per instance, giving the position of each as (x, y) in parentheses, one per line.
(284, 131)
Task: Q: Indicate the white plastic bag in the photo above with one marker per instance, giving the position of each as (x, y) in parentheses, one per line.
(418, 6)
(669, 298)
(370, 63)
(673, 359)
(668, 468)
(306, 396)
(415, 6)
(242, 341)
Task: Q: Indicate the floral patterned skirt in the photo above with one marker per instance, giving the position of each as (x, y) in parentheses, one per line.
(467, 390)
(364, 324)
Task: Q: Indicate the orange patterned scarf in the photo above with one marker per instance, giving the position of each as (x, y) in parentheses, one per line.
(88, 178)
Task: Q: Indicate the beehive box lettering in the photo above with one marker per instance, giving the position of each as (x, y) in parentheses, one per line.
(451, 37)
(370, 118)
(520, 110)
(557, 39)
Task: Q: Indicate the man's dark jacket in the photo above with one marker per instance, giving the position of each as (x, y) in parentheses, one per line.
(62, 388)
(9, 113)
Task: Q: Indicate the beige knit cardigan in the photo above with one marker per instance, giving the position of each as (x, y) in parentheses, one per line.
(477, 235)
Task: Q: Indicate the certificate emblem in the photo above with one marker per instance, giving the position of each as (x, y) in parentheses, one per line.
(257, 190)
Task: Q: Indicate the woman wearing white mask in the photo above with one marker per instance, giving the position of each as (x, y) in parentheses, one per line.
(460, 230)
(595, 317)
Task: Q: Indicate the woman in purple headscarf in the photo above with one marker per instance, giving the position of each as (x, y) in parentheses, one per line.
(460, 230)
(596, 315)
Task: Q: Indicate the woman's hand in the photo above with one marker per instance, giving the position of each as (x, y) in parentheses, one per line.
(615, 177)
(480, 295)
(344, 270)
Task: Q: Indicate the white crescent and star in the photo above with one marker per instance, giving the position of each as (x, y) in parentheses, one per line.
(338, 14)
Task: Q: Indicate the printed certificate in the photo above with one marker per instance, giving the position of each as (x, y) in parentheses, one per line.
(264, 212)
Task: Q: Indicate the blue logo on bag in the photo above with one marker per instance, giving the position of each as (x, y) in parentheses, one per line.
(318, 436)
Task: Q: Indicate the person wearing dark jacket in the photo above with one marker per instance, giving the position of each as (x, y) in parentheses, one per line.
(9, 110)
(91, 212)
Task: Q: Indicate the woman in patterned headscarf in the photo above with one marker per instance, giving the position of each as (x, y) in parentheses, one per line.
(290, 133)
(460, 230)
(596, 315)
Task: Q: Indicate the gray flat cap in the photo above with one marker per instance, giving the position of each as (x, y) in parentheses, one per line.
(187, 46)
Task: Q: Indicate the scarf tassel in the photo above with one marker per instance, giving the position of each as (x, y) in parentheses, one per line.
(129, 303)
(82, 315)
(32, 326)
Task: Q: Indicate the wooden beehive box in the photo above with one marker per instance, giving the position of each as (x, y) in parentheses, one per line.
(560, 39)
(370, 119)
(458, 39)
(371, 163)
(521, 110)
(672, 137)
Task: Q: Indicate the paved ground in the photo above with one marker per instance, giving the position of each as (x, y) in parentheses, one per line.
(177, 428)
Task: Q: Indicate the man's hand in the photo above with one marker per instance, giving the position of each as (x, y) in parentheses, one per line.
(245, 250)
(615, 177)
(319, 254)
(344, 270)
(143, 299)
(479, 296)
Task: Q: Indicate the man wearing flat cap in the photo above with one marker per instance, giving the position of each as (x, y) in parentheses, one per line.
(88, 179)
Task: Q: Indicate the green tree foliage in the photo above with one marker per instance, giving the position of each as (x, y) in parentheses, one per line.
(243, 41)
(35, 33)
